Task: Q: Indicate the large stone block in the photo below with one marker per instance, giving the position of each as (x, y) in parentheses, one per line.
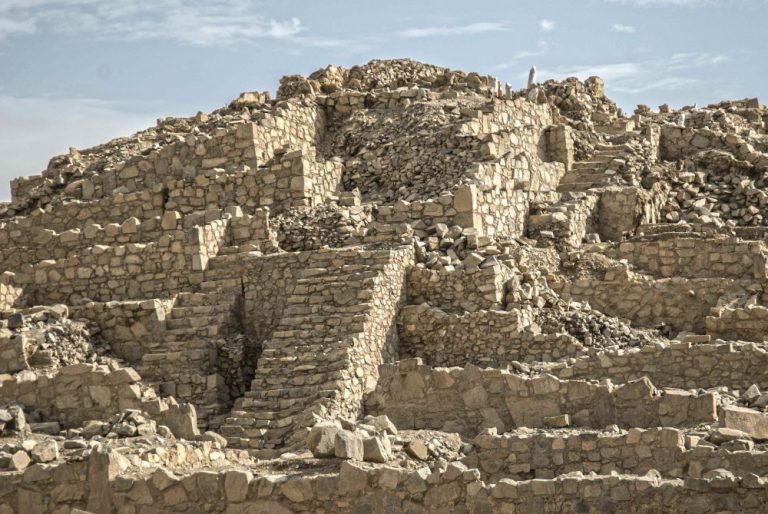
(348, 445)
(750, 421)
(321, 440)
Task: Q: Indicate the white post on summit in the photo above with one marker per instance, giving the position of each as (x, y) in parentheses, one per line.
(531, 77)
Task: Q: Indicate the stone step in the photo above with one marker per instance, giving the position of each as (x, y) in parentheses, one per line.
(293, 324)
(316, 351)
(600, 163)
(193, 322)
(583, 177)
(186, 333)
(196, 311)
(222, 285)
(265, 384)
(193, 361)
(245, 247)
(197, 299)
(225, 261)
(302, 369)
(288, 392)
(273, 408)
(578, 187)
(337, 280)
(609, 147)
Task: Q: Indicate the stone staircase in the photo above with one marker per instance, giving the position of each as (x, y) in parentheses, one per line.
(565, 223)
(188, 350)
(586, 175)
(337, 326)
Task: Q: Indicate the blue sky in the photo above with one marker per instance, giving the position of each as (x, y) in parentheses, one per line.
(79, 72)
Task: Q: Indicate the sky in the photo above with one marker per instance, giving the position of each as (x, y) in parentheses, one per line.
(81, 72)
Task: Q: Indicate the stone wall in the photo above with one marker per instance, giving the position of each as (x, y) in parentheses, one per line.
(567, 223)
(560, 145)
(461, 290)
(743, 323)
(525, 165)
(484, 338)
(704, 365)
(452, 208)
(94, 484)
(129, 327)
(623, 209)
(132, 271)
(487, 170)
(75, 394)
(679, 303)
(293, 179)
(35, 244)
(254, 229)
(669, 255)
(292, 125)
(681, 142)
(14, 352)
(11, 295)
(547, 455)
(503, 195)
(415, 396)
(116, 208)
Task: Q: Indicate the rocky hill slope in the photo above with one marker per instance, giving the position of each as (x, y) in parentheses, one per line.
(393, 288)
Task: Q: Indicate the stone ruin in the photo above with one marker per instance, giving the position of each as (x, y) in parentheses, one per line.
(393, 288)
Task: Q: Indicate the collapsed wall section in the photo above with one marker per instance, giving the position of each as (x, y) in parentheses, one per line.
(678, 303)
(73, 395)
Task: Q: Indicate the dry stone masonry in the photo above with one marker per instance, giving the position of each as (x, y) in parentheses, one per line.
(393, 288)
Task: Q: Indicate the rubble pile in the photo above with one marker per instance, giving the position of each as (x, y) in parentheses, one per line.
(328, 225)
(45, 337)
(393, 155)
(554, 315)
(381, 74)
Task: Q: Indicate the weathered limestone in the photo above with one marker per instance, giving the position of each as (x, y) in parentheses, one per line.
(736, 366)
(84, 392)
(416, 396)
(288, 278)
(499, 337)
(465, 290)
(546, 455)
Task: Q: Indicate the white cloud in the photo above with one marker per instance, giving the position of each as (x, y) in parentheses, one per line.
(606, 71)
(547, 25)
(666, 74)
(678, 3)
(664, 84)
(197, 22)
(645, 3)
(626, 70)
(682, 61)
(9, 27)
(542, 48)
(453, 30)
(618, 27)
(35, 129)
